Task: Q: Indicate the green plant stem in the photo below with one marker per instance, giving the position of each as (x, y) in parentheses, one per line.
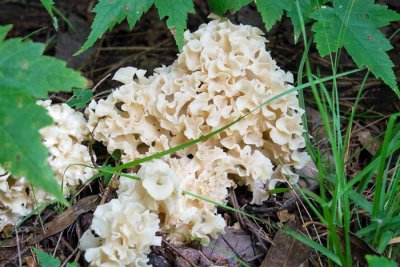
(207, 136)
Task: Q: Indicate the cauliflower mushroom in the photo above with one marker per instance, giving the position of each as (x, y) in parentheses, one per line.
(125, 231)
(158, 179)
(223, 73)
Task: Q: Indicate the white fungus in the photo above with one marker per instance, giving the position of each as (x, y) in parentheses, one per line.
(125, 231)
(158, 179)
(15, 199)
(64, 142)
(222, 74)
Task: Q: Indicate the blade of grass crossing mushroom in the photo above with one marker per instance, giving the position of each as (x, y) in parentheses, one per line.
(119, 168)
(116, 169)
(102, 171)
(224, 206)
(207, 136)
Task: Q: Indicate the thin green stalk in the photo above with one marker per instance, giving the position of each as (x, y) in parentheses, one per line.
(380, 181)
(313, 207)
(333, 238)
(394, 190)
(207, 136)
(364, 176)
(255, 218)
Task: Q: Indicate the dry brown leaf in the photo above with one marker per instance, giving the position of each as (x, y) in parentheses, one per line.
(285, 216)
(395, 240)
(234, 243)
(220, 252)
(30, 261)
(287, 251)
(359, 248)
(58, 224)
(367, 140)
(8, 231)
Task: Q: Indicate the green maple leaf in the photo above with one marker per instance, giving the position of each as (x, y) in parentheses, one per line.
(220, 7)
(112, 12)
(177, 16)
(355, 25)
(379, 261)
(306, 7)
(271, 11)
(25, 76)
(45, 259)
(80, 98)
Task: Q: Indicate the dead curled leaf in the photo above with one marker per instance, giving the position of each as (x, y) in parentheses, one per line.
(224, 251)
(55, 226)
(395, 240)
(287, 251)
(30, 262)
(359, 248)
(285, 216)
(367, 140)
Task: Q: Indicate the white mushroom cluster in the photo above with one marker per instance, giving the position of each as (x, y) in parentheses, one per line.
(182, 217)
(223, 73)
(64, 141)
(125, 230)
(16, 198)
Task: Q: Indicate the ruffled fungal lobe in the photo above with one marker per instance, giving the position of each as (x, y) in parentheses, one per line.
(125, 231)
(223, 73)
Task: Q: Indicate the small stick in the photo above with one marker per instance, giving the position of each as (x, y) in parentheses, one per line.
(100, 82)
(177, 252)
(244, 221)
(108, 189)
(18, 248)
(78, 231)
(58, 243)
(66, 244)
(69, 257)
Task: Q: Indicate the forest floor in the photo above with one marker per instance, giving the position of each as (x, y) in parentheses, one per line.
(149, 45)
